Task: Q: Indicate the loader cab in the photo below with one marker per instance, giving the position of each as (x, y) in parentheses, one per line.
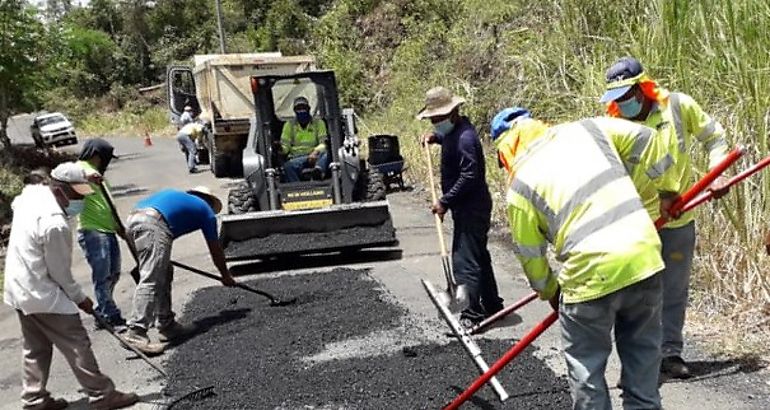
(274, 97)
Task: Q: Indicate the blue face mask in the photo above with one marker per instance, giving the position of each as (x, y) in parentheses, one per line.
(630, 108)
(443, 128)
(303, 117)
(75, 207)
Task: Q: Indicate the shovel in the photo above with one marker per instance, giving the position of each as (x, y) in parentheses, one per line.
(454, 297)
(274, 301)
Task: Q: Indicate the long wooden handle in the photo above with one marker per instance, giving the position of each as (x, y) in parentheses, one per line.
(437, 219)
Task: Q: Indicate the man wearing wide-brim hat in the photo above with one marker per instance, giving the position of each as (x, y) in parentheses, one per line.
(152, 227)
(466, 194)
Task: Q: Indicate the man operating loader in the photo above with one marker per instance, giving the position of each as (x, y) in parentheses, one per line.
(302, 141)
(570, 188)
(631, 94)
(465, 192)
(152, 227)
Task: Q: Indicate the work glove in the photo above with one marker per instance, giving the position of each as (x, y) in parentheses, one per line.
(720, 187)
(87, 305)
(554, 300)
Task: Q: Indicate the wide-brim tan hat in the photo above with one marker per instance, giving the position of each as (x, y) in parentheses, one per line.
(439, 101)
(205, 193)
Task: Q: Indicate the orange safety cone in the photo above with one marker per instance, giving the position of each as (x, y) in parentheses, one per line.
(147, 139)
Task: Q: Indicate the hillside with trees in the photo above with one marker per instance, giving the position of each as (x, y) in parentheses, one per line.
(549, 56)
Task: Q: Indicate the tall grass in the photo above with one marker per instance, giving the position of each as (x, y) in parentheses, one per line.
(154, 120)
(550, 56)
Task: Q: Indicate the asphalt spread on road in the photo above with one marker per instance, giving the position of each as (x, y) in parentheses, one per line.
(256, 355)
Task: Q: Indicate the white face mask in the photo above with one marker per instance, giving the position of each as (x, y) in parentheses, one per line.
(75, 207)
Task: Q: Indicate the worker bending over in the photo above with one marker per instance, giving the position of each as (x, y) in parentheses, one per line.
(570, 188)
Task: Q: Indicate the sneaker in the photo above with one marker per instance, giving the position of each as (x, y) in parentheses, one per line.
(49, 404)
(675, 367)
(137, 337)
(118, 324)
(115, 400)
(175, 331)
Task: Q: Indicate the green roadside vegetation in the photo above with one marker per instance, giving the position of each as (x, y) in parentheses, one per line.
(549, 56)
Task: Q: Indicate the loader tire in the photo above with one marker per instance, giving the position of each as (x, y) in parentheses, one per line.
(241, 200)
(370, 186)
(220, 164)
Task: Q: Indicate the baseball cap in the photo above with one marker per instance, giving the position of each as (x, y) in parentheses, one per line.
(74, 175)
(620, 77)
(301, 102)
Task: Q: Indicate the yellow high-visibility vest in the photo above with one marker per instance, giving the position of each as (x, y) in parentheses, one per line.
(571, 188)
(682, 121)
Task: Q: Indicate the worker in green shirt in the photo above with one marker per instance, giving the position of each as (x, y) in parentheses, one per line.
(97, 233)
(303, 141)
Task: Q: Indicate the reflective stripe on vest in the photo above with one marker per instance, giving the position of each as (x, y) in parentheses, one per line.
(602, 221)
(660, 167)
(640, 144)
(677, 117)
(555, 220)
(538, 202)
(536, 251)
(707, 130)
(539, 285)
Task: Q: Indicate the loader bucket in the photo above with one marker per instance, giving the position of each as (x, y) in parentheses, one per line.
(258, 235)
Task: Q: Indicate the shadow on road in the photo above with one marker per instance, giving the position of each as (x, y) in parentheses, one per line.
(156, 399)
(205, 324)
(316, 261)
(126, 190)
(714, 369)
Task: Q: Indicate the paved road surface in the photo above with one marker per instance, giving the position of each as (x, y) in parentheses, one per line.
(721, 385)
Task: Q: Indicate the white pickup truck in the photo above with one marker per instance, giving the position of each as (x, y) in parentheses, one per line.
(53, 129)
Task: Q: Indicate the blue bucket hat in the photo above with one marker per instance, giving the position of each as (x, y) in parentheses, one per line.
(502, 121)
(623, 70)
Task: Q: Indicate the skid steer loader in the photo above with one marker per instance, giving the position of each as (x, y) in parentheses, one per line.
(340, 208)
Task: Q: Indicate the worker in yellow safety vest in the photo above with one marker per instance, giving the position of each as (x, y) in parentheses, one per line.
(570, 187)
(633, 95)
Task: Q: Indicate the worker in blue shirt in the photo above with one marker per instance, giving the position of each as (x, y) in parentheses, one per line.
(465, 193)
(152, 228)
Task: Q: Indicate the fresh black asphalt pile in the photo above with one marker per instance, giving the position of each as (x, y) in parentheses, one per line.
(254, 356)
(292, 243)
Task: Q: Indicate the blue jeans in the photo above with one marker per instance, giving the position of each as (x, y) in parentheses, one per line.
(586, 327)
(103, 255)
(678, 250)
(188, 146)
(294, 166)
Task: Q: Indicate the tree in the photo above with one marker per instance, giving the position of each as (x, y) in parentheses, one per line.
(21, 47)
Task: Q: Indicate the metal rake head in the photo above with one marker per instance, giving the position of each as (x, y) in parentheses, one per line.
(195, 395)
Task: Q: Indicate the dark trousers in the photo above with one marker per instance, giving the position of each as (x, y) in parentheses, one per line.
(472, 264)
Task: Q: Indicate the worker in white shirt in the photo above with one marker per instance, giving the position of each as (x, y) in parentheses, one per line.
(40, 287)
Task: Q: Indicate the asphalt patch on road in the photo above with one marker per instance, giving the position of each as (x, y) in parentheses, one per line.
(308, 242)
(259, 361)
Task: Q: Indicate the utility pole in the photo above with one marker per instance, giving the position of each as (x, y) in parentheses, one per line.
(221, 29)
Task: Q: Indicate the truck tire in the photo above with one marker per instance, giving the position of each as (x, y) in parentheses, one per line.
(220, 163)
(241, 200)
(369, 187)
(203, 156)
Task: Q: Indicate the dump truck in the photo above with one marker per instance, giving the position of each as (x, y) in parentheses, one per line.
(217, 88)
(342, 209)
